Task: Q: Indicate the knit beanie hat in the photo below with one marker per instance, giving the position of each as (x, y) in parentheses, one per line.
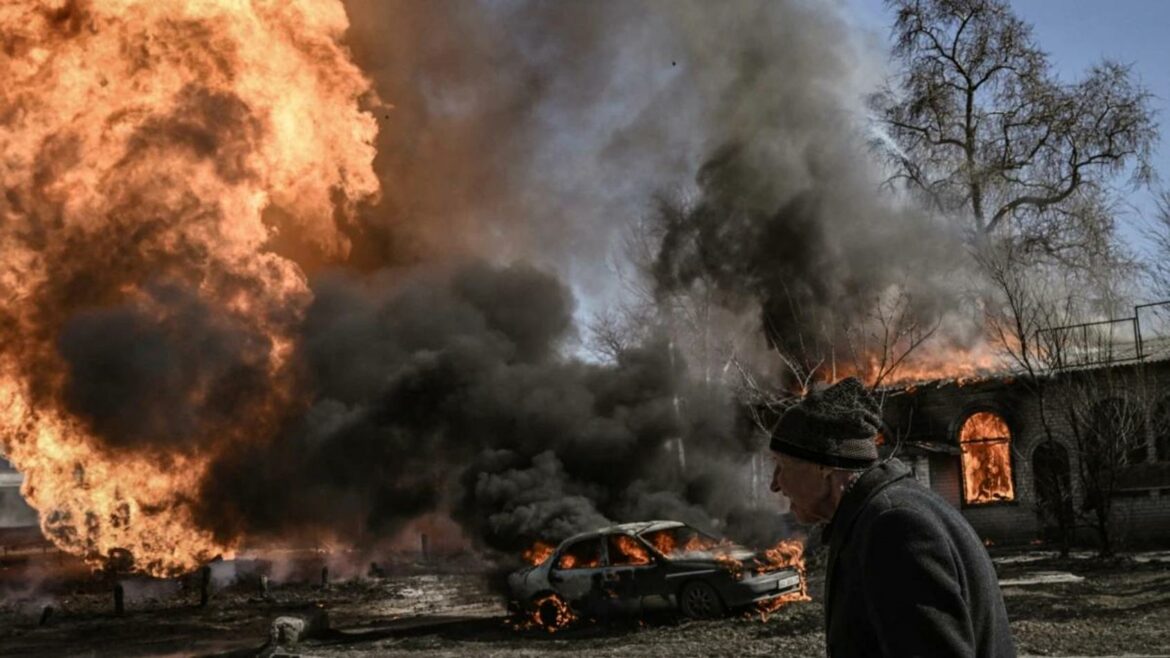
(835, 426)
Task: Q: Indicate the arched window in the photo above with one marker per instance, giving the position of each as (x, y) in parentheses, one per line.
(987, 459)
(1117, 434)
(1161, 431)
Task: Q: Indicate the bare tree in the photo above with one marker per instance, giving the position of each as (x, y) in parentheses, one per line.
(1081, 393)
(1107, 415)
(698, 318)
(892, 335)
(1158, 236)
(727, 299)
(1018, 311)
(984, 131)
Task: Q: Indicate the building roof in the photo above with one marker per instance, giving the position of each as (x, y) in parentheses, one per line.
(634, 528)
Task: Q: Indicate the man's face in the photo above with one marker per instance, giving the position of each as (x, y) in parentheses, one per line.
(806, 485)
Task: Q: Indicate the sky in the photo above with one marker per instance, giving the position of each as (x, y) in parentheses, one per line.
(1077, 34)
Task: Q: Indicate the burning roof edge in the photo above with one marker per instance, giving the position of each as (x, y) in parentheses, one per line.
(1007, 377)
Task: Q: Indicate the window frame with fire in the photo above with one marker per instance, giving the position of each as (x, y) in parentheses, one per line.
(1000, 423)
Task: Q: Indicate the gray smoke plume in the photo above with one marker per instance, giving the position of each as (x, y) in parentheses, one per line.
(542, 130)
(822, 258)
(787, 215)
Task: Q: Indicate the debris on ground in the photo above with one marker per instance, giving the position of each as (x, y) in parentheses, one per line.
(1080, 606)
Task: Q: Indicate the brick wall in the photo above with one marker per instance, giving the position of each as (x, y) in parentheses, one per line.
(1143, 519)
(944, 478)
(932, 415)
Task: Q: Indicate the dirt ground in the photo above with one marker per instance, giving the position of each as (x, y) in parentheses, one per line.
(1081, 606)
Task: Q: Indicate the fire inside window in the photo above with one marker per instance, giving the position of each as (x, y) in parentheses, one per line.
(987, 462)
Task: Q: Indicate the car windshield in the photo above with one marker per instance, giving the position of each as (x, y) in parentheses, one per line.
(684, 540)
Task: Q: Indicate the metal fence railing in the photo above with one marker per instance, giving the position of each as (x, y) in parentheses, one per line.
(1144, 335)
(1152, 328)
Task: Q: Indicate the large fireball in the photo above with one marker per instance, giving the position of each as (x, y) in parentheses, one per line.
(153, 151)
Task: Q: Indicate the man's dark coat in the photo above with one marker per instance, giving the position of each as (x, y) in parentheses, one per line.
(907, 575)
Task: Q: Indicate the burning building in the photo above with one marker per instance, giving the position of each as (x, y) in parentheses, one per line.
(1083, 443)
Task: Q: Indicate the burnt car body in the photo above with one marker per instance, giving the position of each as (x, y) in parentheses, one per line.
(625, 568)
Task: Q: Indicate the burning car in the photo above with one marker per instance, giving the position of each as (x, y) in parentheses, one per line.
(637, 566)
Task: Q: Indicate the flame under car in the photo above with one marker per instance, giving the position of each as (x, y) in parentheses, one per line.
(633, 567)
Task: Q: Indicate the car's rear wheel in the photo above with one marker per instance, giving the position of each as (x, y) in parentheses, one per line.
(699, 600)
(548, 613)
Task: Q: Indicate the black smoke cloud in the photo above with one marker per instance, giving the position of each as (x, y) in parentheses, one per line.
(161, 370)
(450, 389)
(820, 258)
(787, 215)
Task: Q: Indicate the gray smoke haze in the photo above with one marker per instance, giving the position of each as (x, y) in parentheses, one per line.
(821, 258)
(542, 130)
(787, 215)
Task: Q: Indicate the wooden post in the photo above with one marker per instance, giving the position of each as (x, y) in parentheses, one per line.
(324, 576)
(264, 586)
(119, 599)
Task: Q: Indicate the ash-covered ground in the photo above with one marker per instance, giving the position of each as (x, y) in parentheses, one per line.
(1081, 606)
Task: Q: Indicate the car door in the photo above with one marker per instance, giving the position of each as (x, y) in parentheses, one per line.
(634, 571)
(578, 569)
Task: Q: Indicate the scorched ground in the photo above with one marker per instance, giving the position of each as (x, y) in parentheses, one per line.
(1081, 606)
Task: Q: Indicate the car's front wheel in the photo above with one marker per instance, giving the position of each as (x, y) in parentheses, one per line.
(699, 600)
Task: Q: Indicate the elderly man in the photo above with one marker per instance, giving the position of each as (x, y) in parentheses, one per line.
(907, 576)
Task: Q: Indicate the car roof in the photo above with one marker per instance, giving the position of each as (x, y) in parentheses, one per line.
(635, 528)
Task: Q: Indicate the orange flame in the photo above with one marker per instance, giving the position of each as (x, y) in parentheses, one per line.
(987, 468)
(537, 553)
(698, 543)
(549, 612)
(929, 362)
(633, 552)
(733, 566)
(570, 561)
(663, 542)
(667, 544)
(174, 139)
(785, 554)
